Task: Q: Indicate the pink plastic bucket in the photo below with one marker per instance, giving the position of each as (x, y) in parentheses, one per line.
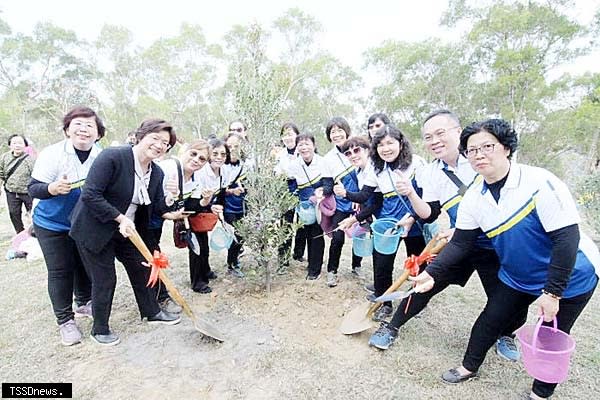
(546, 351)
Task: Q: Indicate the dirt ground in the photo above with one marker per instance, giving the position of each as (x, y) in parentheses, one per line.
(284, 345)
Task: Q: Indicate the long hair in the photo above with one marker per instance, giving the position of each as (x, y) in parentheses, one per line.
(403, 160)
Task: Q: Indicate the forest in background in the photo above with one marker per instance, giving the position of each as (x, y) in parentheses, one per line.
(500, 66)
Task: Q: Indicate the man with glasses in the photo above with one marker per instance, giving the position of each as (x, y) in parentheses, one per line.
(238, 127)
(444, 181)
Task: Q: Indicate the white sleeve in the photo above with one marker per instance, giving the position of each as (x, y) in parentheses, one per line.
(47, 165)
(554, 204)
(467, 211)
(370, 178)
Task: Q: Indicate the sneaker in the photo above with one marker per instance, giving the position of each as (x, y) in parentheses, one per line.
(331, 279)
(212, 275)
(109, 339)
(383, 313)
(371, 297)
(357, 272)
(84, 311)
(163, 317)
(242, 252)
(507, 349)
(237, 272)
(383, 337)
(170, 306)
(313, 277)
(204, 289)
(370, 287)
(69, 333)
(299, 258)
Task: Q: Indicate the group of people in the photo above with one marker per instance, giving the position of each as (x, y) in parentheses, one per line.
(90, 201)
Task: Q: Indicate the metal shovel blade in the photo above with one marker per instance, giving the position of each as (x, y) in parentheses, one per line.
(357, 320)
(394, 296)
(207, 329)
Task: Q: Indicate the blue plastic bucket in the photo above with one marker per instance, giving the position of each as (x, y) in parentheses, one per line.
(362, 245)
(382, 242)
(307, 213)
(220, 239)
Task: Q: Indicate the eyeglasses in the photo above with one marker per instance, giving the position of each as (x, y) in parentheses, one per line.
(376, 125)
(440, 133)
(159, 141)
(238, 130)
(487, 148)
(219, 154)
(194, 154)
(354, 150)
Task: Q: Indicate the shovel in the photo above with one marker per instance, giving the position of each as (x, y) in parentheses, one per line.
(201, 326)
(190, 237)
(394, 296)
(359, 319)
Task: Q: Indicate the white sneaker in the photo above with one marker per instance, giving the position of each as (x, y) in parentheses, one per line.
(69, 333)
(331, 279)
(84, 311)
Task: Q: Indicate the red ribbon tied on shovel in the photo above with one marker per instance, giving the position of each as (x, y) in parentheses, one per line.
(159, 261)
(412, 264)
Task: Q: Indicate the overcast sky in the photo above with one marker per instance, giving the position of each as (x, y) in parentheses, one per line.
(350, 27)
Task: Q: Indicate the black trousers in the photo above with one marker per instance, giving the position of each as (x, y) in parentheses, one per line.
(383, 264)
(337, 243)
(233, 252)
(299, 241)
(101, 269)
(66, 274)
(152, 240)
(316, 247)
(500, 310)
(486, 262)
(199, 266)
(15, 202)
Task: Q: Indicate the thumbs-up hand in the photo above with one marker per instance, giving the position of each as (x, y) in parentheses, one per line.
(404, 185)
(172, 185)
(339, 189)
(61, 186)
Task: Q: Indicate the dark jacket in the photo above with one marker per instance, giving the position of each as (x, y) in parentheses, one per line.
(107, 193)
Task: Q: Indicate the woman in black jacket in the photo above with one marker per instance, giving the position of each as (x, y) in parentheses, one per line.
(122, 189)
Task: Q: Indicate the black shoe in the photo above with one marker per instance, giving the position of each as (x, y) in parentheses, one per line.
(312, 277)
(453, 376)
(110, 339)
(237, 272)
(165, 318)
(299, 258)
(370, 288)
(212, 275)
(204, 289)
(371, 297)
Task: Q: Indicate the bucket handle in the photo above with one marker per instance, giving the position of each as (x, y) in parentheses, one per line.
(536, 331)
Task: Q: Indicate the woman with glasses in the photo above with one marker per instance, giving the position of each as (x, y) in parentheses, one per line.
(191, 161)
(337, 169)
(122, 190)
(305, 180)
(532, 221)
(392, 183)
(59, 173)
(213, 181)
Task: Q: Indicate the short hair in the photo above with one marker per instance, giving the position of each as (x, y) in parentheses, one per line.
(199, 144)
(154, 125)
(289, 125)
(403, 160)
(381, 116)
(240, 121)
(216, 142)
(243, 142)
(355, 141)
(11, 137)
(500, 128)
(340, 123)
(304, 137)
(83, 112)
(444, 112)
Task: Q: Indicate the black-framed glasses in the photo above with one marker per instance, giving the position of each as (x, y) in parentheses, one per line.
(484, 149)
(354, 150)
